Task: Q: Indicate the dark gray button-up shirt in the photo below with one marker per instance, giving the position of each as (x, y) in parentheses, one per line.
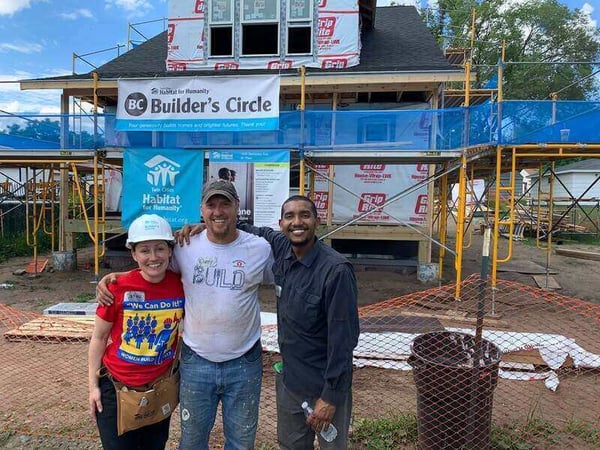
(317, 317)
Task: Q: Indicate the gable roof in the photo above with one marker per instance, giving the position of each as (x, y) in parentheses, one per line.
(399, 42)
(585, 165)
(591, 165)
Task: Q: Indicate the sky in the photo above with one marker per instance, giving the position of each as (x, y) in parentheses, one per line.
(39, 37)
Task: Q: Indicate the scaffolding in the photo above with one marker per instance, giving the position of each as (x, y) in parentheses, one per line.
(460, 166)
(474, 135)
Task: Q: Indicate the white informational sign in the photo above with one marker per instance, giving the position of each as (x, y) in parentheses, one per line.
(246, 103)
(261, 179)
(474, 192)
(369, 186)
(113, 190)
(336, 26)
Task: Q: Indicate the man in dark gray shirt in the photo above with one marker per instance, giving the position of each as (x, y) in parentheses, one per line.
(317, 318)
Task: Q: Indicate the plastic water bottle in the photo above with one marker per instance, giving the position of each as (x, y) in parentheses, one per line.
(330, 433)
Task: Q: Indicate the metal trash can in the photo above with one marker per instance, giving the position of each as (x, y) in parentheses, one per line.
(454, 395)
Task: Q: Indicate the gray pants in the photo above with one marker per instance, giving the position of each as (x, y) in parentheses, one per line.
(292, 431)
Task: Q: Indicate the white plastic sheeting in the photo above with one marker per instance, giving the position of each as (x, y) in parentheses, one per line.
(334, 26)
(390, 350)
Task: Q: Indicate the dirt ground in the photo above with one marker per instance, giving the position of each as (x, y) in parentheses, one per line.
(577, 278)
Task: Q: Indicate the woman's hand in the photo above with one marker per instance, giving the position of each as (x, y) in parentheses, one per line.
(95, 401)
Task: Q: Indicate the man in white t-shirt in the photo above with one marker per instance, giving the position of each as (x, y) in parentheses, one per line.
(221, 357)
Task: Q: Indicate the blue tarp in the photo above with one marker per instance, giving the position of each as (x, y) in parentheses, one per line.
(505, 123)
(22, 143)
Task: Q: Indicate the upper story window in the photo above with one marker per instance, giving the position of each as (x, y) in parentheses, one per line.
(220, 40)
(252, 27)
(260, 27)
(299, 32)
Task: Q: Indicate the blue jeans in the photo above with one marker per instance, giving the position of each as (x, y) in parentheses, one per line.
(236, 384)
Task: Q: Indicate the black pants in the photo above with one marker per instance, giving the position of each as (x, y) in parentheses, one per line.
(151, 437)
(292, 431)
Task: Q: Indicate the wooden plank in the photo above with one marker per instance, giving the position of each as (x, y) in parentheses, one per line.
(452, 318)
(374, 232)
(51, 329)
(578, 254)
(41, 265)
(524, 267)
(531, 356)
(80, 318)
(546, 282)
(445, 314)
(21, 337)
(112, 226)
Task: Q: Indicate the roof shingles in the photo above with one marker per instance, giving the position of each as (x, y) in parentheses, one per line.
(400, 42)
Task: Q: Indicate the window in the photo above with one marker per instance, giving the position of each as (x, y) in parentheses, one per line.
(261, 11)
(252, 28)
(299, 33)
(376, 131)
(299, 10)
(260, 27)
(221, 28)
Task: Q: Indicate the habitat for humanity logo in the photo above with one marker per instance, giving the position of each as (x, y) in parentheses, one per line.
(221, 156)
(162, 171)
(161, 175)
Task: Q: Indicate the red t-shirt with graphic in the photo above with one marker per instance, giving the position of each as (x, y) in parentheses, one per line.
(145, 318)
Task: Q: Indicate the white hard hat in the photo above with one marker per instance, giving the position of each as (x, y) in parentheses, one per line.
(149, 227)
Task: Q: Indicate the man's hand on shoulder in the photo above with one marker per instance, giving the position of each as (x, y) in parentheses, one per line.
(103, 294)
(182, 236)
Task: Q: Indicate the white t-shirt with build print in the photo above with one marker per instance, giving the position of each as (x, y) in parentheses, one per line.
(221, 281)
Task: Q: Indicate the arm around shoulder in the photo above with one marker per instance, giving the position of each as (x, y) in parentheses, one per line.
(103, 294)
(267, 233)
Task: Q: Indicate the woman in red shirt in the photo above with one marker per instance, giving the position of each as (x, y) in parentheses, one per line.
(143, 327)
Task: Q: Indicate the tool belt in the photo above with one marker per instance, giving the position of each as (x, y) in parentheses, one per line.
(145, 405)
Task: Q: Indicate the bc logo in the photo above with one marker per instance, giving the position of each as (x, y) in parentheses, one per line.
(136, 104)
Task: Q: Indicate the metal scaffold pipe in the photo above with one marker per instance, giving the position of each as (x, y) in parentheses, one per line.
(460, 226)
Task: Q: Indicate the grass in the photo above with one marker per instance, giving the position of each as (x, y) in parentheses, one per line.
(5, 436)
(385, 433)
(15, 244)
(84, 297)
(585, 431)
(262, 446)
(12, 245)
(525, 436)
(400, 431)
(566, 239)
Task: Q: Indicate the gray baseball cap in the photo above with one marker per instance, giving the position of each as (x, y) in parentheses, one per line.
(219, 187)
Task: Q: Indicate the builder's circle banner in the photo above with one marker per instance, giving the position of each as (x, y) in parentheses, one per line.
(249, 103)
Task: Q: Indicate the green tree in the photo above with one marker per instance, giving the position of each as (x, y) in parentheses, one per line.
(543, 35)
(49, 130)
(44, 130)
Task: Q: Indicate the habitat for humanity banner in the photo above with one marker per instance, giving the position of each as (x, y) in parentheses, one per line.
(261, 179)
(199, 104)
(164, 182)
